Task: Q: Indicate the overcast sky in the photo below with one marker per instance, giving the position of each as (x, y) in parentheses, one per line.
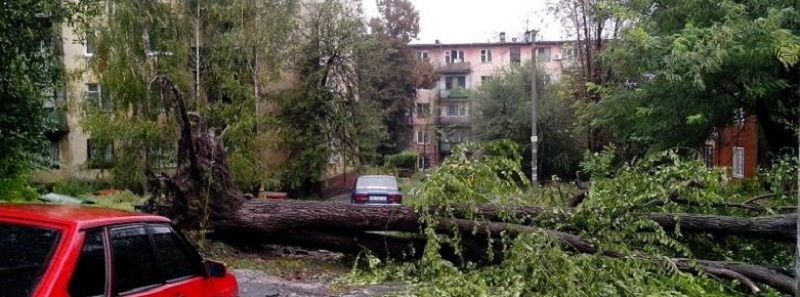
(453, 21)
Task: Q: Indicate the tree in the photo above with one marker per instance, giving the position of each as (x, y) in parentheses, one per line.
(29, 64)
(686, 68)
(324, 119)
(502, 111)
(226, 55)
(389, 71)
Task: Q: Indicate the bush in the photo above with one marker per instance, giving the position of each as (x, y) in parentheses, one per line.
(77, 188)
(17, 189)
(406, 160)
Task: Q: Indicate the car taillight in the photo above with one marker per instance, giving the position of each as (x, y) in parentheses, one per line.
(360, 198)
(395, 198)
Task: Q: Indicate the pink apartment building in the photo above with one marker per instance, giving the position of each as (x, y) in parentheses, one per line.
(441, 116)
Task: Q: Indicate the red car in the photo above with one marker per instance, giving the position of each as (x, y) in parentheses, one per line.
(60, 251)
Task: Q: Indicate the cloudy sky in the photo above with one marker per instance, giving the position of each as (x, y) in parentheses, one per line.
(479, 20)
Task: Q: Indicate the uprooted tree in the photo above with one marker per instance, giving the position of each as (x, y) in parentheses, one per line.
(200, 194)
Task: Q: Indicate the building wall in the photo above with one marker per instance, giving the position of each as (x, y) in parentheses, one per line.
(744, 136)
(73, 150)
(437, 149)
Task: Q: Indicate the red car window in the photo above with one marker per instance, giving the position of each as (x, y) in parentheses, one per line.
(177, 261)
(89, 277)
(134, 264)
(25, 253)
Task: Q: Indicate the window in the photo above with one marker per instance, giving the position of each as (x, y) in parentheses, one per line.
(543, 54)
(53, 156)
(135, 267)
(738, 162)
(516, 57)
(177, 261)
(423, 110)
(89, 277)
(456, 109)
(708, 156)
(423, 137)
(94, 94)
(88, 44)
(99, 155)
(454, 56)
(486, 56)
(26, 253)
(455, 82)
(422, 55)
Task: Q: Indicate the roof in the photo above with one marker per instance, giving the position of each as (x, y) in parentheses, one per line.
(77, 216)
(487, 44)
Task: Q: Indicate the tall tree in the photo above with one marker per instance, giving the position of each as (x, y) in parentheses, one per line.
(390, 73)
(689, 67)
(502, 111)
(30, 72)
(225, 54)
(324, 121)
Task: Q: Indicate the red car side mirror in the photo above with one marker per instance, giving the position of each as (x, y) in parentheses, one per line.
(215, 269)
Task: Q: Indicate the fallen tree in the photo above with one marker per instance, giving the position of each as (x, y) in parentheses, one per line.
(200, 194)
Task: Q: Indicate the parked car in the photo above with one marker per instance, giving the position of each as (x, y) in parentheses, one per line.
(61, 251)
(377, 190)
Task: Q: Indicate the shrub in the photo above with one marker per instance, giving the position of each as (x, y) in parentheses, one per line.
(406, 160)
(77, 188)
(17, 189)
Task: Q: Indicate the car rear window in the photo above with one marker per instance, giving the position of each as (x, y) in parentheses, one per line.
(376, 182)
(26, 252)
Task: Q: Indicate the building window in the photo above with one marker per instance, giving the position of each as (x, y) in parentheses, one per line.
(423, 137)
(455, 82)
(422, 55)
(738, 162)
(708, 156)
(456, 109)
(423, 110)
(543, 54)
(454, 56)
(516, 57)
(94, 94)
(88, 44)
(99, 155)
(53, 156)
(486, 56)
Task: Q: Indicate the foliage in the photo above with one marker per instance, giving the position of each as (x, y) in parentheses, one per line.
(30, 74)
(223, 56)
(17, 189)
(389, 73)
(322, 122)
(611, 218)
(405, 160)
(77, 188)
(686, 68)
(502, 111)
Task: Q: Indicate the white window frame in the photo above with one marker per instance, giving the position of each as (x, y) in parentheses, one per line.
(486, 56)
(451, 60)
(542, 53)
(103, 103)
(423, 55)
(422, 136)
(87, 43)
(737, 169)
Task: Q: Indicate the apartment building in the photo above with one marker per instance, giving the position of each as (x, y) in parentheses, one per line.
(441, 116)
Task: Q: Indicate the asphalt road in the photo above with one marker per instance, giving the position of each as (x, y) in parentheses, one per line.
(254, 283)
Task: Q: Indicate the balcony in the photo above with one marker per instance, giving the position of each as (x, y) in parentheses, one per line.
(455, 68)
(58, 121)
(459, 93)
(454, 120)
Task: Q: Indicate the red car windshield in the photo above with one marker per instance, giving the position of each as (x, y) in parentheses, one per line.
(25, 254)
